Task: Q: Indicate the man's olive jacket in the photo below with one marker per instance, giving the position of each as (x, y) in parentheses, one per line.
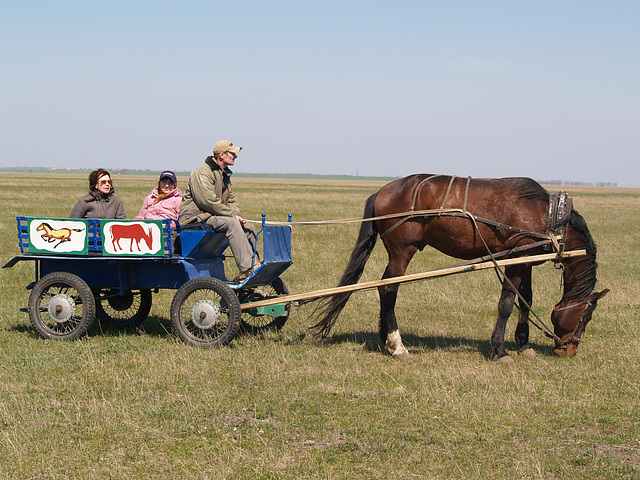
(208, 193)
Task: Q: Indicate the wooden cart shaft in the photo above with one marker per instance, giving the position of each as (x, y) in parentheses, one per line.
(412, 278)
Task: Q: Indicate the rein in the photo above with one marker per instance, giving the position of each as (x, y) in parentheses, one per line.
(451, 212)
(502, 277)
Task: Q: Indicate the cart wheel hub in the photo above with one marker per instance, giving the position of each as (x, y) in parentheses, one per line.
(205, 314)
(120, 302)
(61, 308)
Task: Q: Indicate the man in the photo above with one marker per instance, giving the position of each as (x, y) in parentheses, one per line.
(209, 196)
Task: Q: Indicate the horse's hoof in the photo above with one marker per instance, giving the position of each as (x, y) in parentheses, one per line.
(527, 352)
(504, 359)
(401, 355)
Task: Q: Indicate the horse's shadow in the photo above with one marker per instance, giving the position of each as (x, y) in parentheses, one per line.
(371, 342)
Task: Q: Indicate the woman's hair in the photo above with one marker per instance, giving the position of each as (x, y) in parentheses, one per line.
(93, 181)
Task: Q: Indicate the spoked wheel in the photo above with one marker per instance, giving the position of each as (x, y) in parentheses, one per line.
(128, 310)
(205, 312)
(61, 306)
(254, 321)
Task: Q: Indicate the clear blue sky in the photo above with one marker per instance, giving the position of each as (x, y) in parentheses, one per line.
(544, 89)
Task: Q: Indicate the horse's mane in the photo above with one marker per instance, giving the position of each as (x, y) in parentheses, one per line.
(580, 226)
(586, 281)
(529, 189)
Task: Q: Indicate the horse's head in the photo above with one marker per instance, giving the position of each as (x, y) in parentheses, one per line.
(570, 319)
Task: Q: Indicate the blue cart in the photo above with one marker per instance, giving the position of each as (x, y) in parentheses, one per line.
(88, 268)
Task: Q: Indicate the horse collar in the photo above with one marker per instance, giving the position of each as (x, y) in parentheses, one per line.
(560, 206)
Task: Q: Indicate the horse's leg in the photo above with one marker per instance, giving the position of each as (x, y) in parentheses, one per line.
(505, 307)
(522, 330)
(388, 294)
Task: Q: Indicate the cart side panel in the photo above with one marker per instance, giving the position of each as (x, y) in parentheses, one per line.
(54, 240)
(129, 273)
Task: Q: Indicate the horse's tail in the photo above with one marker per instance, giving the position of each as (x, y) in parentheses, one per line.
(332, 306)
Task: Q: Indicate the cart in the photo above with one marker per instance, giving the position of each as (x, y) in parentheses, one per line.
(109, 269)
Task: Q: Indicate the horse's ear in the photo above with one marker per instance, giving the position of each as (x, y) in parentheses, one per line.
(599, 295)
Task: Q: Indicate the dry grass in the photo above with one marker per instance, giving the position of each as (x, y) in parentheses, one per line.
(284, 405)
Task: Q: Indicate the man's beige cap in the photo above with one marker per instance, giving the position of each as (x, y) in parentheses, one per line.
(225, 146)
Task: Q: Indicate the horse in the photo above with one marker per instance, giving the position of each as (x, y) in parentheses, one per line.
(135, 232)
(51, 234)
(466, 218)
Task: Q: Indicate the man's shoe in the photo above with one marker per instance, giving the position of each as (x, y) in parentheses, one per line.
(243, 276)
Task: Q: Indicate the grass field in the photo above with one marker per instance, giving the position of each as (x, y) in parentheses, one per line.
(141, 404)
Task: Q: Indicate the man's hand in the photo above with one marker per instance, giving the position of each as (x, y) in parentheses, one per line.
(241, 220)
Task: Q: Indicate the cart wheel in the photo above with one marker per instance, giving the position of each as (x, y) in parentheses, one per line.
(205, 312)
(61, 306)
(128, 310)
(254, 322)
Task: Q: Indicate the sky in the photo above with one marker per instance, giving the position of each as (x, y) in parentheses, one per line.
(483, 88)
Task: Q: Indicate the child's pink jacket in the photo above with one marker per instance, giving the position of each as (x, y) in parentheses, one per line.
(168, 207)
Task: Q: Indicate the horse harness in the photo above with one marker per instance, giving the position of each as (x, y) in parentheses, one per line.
(560, 206)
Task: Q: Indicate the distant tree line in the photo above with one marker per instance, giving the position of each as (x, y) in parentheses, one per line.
(578, 184)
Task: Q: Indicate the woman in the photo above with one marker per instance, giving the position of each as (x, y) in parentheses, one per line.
(164, 200)
(100, 202)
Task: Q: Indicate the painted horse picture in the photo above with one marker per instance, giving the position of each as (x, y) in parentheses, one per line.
(52, 235)
(467, 218)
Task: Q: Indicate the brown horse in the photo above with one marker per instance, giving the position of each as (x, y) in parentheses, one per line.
(469, 218)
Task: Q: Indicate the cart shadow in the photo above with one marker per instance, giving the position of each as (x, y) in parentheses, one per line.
(371, 342)
(151, 327)
(23, 328)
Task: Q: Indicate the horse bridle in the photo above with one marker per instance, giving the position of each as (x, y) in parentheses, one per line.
(563, 343)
